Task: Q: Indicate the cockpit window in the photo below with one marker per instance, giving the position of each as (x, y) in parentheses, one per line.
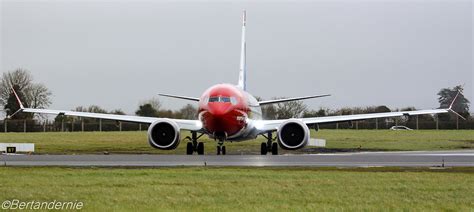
(223, 99)
(214, 99)
(233, 100)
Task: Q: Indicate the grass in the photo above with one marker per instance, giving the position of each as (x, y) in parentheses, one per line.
(337, 141)
(243, 189)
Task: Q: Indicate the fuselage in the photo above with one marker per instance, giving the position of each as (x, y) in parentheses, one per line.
(226, 112)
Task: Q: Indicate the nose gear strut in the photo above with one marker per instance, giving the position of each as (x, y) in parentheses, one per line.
(220, 144)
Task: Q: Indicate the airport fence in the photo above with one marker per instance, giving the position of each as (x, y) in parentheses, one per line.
(68, 126)
(88, 125)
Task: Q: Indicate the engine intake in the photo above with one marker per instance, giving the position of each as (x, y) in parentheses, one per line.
(293, 134)
(164, 134)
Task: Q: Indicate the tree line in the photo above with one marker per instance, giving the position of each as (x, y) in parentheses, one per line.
(37, 95)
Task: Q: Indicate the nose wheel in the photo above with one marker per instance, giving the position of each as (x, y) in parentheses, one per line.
(221, 148)
(194, 145)
(269, 146)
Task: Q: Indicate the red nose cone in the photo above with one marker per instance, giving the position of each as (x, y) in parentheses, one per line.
(222, 118)
(219, 109)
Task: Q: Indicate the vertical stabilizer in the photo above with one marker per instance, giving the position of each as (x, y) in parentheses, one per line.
(243, 66)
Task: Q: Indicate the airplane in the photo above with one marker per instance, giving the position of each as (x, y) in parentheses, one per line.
(227, 112)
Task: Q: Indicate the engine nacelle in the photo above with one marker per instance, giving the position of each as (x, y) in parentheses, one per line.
(293, 134)
(164, 134)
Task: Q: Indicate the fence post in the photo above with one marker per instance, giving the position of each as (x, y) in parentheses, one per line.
(139, 127)
(437, 124)
(417, 122)
(44, 126)
(120, 126)
(457, 122)
(100, 125)
(82, 125)
(72, 125)
(337, 126)
(6, 123)
(376, 124)
(357, 125)
(24, 125)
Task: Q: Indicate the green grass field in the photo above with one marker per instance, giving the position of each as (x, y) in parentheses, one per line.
(242, 189)
(337, 140)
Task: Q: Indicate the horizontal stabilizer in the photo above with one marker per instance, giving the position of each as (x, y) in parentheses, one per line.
(180, 97)
(273, 101)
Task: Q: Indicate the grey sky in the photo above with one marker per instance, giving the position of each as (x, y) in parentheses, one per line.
(118, 53)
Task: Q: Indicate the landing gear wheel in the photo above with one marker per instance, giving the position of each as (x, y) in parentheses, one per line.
(200, 148)
(189, 148)
(274, 149)
(263, 149)
(218, 150)
(223, 150)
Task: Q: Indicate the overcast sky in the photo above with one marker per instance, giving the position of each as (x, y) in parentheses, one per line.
(117, 53)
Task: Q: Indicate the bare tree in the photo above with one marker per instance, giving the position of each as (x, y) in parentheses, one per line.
(188, 112)
(34, 95)
(20, 78)
(38, 95)
(269, 112)
(117, 112)
(154, 102)
(293, 109)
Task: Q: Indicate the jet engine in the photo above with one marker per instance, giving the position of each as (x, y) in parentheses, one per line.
(164, 134)
(293, 134)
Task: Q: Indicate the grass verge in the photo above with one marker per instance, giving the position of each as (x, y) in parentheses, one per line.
(337, 141)
(255, 189)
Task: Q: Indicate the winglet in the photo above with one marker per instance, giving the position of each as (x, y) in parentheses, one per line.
(452, 103)
(451, 106)
(17, 98)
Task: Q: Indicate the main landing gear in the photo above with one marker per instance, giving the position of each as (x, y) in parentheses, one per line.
(194, 145)
(270, 146)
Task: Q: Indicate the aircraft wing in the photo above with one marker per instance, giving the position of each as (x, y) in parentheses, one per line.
(270, 125)
(192, 125)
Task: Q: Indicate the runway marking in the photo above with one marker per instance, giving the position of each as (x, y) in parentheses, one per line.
(364, 159)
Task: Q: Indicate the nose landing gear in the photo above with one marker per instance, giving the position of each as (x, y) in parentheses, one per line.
(220, 144)
(193, 145)
(270, 146)
(220, 150)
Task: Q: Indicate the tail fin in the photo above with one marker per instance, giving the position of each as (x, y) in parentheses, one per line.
(243, 67)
